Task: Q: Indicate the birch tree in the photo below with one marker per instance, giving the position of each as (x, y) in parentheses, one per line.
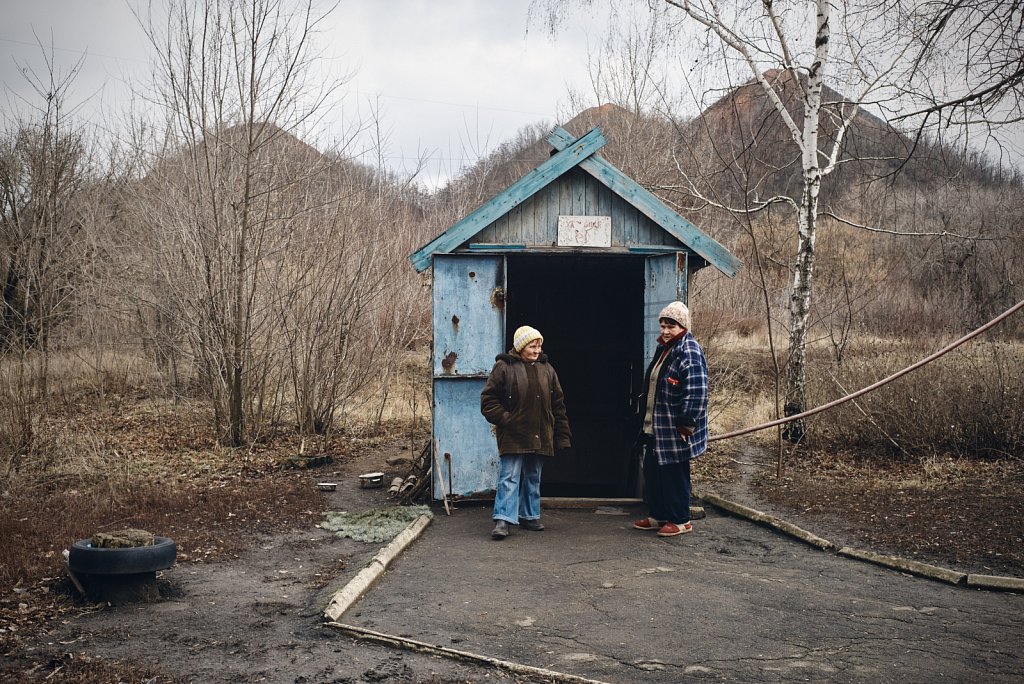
(804, 66)
(799, 54)
(968, 63)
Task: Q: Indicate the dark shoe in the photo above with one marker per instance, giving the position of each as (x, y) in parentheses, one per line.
(534, 525)
(500, 530)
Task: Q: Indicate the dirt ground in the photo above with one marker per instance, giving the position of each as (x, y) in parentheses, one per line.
(253, 611)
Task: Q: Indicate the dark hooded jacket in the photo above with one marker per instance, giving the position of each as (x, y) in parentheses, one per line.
(525, 427)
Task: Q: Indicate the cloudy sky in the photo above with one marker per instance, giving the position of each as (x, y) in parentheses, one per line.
(451, 78)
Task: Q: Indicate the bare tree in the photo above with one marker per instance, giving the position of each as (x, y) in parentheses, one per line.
(44, 168)
(233, 80)
(792, 51)
(968, 63)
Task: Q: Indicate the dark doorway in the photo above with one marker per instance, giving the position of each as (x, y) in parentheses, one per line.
(590, 310)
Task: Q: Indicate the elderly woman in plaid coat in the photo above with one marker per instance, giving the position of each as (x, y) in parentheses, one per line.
(675, 428)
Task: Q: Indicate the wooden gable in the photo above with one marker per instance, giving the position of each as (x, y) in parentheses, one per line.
(577, 182)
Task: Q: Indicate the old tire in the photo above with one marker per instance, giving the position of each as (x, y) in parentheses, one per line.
(84, 559)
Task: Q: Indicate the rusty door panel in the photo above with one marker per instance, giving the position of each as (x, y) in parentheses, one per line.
(469, 317)
(469, 331)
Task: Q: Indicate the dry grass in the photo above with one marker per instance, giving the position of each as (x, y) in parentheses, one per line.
(402, 396)
(93, 454)
(969, 403)
(953, 512)
(140, 463)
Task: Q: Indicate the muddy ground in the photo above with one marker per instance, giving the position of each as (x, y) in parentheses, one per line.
(256, 614)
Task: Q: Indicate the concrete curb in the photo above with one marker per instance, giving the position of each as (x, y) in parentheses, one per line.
(913, 567)
(358, 585)
(954, 577)
(996, 583)
(770, 520)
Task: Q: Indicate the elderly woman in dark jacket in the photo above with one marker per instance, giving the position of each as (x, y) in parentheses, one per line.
(524, 400)
(675, 428)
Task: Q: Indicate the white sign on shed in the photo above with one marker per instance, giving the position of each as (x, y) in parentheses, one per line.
(585, 231)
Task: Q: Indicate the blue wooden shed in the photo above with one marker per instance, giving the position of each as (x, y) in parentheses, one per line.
(586, 255)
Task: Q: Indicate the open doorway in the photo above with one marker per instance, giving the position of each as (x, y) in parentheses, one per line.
(590, 311)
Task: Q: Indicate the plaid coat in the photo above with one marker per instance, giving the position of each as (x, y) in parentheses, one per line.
(681, 400)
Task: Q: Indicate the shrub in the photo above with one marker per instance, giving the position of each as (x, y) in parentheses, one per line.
(968, 403)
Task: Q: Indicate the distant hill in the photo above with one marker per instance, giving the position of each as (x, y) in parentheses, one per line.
(739, 150)
(738, 147)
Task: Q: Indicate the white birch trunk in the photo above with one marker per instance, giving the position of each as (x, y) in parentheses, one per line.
(807, 211)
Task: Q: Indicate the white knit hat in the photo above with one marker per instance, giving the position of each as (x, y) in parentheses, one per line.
(524, 336)
(678, 312)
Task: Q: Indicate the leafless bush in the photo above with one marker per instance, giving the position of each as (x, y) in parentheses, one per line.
(968, 403)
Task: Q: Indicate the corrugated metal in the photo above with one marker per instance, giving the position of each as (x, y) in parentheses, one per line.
(469, 331)
(665, 282)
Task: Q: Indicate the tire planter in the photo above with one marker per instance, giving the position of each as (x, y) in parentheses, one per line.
(84, 559)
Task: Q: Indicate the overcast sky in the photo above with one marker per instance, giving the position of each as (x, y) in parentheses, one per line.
(452, 78)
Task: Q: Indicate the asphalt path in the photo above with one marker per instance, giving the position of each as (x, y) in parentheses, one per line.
(732, 601)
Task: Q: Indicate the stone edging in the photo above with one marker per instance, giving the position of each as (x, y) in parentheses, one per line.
(954, 577)
(358, 585)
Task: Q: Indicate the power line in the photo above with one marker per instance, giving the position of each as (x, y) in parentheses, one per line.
(85, 52)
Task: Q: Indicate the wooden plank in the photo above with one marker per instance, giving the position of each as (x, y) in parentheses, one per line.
(561, 162)
(496, 246)
(564, 197)
(630, 227)
(619, 236)
(648, 232)
(540, 214)
(590, 186)
(604, 200)
(579, 201)
(647, 203)
(551, 224)
(515, 224)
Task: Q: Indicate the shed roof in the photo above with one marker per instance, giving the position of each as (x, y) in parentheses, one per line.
(581, 152)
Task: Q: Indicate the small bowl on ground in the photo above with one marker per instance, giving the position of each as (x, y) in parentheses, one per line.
(371, 480)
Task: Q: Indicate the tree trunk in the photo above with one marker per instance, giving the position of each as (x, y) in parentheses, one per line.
(807, 215)
(799, 313)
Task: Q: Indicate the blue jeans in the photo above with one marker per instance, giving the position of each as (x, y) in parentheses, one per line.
(517, 496)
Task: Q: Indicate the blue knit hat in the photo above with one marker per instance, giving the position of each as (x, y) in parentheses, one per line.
(524, 336)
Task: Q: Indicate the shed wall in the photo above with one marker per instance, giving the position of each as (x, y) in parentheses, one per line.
(534, 223)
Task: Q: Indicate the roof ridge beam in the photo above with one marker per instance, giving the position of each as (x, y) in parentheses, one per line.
(570, 154)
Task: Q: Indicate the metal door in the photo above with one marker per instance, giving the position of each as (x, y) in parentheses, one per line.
(469, 331)
(665, 282)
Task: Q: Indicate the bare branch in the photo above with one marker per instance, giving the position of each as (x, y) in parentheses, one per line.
(873, 229)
